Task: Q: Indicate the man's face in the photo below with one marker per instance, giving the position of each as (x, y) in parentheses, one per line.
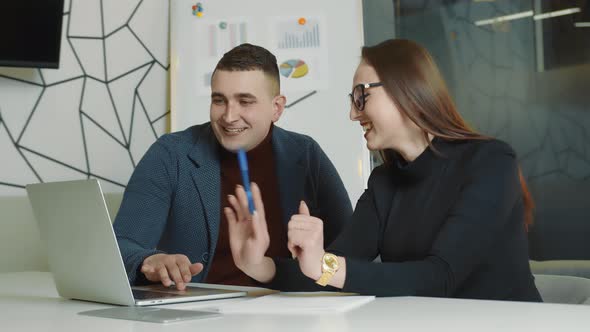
(243, 107)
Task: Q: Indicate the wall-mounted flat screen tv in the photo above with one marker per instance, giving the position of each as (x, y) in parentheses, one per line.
(30, 33)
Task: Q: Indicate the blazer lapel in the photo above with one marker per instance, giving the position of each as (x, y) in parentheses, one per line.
(290, 171)
(206, 176)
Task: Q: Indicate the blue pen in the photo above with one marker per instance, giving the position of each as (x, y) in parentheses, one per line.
(243, 161)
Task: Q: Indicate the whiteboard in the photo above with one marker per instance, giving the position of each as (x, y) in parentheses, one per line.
(329, 43)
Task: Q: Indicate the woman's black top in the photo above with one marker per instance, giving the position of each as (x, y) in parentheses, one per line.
(448, 224)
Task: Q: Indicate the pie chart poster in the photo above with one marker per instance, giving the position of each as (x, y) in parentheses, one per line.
(301, 48)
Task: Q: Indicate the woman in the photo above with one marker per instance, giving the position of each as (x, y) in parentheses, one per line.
(447, 211)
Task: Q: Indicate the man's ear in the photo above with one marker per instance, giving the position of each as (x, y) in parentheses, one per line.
(278, 104)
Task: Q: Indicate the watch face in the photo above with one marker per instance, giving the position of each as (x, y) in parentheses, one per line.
(331, 262)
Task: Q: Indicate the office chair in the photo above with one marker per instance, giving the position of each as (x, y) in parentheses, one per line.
(563, 289)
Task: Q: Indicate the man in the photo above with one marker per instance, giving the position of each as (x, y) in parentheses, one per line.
(170, 226)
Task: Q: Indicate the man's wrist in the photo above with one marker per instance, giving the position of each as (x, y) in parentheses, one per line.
(263, 272)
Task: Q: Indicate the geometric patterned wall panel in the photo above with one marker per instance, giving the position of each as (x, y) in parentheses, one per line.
(97, 114)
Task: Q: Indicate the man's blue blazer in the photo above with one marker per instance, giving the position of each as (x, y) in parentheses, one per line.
(172, 202)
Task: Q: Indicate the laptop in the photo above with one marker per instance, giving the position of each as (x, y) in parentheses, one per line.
(83, 252)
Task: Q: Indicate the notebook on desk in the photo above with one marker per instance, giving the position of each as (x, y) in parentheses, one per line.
(83, 252)
(296, 303)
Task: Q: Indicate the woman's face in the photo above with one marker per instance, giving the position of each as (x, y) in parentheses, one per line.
(384, 125)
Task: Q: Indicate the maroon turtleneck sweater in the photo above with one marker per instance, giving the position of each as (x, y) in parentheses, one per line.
(262, 171)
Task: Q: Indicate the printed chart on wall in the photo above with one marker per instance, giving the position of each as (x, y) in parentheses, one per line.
(297, 42)
(218, 37)
(302, 54)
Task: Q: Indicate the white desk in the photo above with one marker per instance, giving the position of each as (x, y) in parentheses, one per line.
(29, 302)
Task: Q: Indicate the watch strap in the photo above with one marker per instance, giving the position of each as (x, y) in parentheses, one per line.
(325, 278)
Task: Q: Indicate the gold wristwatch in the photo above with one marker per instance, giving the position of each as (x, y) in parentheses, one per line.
(329, 268)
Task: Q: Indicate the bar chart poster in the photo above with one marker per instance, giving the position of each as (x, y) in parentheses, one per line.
(224, 35)
(293, 34)
(301, 50)
(215, 37)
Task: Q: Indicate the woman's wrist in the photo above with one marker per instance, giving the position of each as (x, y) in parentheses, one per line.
(315, 270)
(339, 278)
(263, 272)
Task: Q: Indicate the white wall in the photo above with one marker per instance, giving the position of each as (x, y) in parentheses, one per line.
(324, 114)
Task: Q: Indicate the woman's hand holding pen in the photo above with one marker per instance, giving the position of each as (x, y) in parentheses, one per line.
(306, 241)
(248, 235)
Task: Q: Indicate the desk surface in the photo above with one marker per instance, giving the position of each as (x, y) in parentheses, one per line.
(29, 302)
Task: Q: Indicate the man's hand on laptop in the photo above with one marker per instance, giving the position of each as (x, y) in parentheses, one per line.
(167, 268)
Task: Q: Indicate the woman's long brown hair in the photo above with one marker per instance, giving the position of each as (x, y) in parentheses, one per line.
(412, 79)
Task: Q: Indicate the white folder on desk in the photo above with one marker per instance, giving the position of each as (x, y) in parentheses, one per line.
(296, 303)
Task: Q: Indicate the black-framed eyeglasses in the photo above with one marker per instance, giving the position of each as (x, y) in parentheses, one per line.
(358, 97)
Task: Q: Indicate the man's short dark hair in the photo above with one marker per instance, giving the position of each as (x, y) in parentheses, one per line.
(247, 57)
